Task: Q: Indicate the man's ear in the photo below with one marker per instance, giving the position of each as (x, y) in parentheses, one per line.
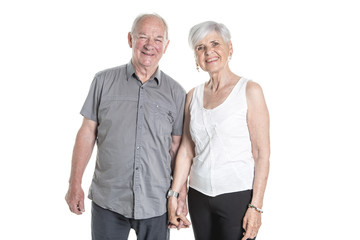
(130, 39)
(167, 44)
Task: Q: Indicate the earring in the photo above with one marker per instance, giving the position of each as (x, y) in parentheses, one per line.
(229, 58)
(197, 67)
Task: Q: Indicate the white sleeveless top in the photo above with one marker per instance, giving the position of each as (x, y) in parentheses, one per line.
(223, 161)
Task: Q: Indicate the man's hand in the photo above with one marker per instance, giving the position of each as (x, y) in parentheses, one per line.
(251, 223)
(177, 213)
(75, 199)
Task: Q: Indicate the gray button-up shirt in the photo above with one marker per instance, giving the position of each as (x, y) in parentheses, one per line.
(135, 125)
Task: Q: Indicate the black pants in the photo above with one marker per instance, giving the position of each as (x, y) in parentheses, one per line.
(220, 217)
(109, 225)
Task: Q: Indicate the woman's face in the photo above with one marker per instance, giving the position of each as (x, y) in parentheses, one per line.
(212, 53)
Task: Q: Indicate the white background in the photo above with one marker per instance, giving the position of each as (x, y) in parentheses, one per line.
(305, 55)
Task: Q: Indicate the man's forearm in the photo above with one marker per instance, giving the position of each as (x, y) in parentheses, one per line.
(84, 145)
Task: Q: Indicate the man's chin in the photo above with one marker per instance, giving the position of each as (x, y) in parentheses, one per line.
(149, 64)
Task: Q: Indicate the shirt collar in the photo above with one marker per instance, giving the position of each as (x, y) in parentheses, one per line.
(130, 71)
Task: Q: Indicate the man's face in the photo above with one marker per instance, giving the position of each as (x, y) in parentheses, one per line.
(148, 42)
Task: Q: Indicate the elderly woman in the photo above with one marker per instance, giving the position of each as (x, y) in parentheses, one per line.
(225, 147)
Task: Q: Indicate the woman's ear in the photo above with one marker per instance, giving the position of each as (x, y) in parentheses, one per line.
(231, 51)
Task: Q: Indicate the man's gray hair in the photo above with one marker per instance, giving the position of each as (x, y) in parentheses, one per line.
(199, 31)
(145, 15)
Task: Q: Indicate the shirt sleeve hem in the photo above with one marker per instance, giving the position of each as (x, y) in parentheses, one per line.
(88, 116)
(176, 133)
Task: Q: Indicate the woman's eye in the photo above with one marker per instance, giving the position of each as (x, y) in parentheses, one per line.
(199, 48)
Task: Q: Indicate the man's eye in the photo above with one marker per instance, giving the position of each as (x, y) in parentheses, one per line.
(215, 43)
(158, 40)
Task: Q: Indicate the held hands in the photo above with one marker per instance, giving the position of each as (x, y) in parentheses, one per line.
(75, 199)
(251, 223)
(177, 212)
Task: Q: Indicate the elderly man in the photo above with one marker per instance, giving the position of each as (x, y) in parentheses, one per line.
(135, 115)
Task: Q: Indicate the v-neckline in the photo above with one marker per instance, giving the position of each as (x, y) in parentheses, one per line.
(221, 104)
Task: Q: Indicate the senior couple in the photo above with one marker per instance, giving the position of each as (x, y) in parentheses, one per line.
(151, 137)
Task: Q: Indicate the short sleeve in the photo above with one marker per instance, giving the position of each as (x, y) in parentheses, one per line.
(92, 102)
(180, 96)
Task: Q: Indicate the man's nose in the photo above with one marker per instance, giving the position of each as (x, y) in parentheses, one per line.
(150, 43)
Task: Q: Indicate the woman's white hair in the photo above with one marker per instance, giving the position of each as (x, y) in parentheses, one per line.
(199, 31)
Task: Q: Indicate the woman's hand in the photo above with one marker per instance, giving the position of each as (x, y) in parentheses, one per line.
(176, 216)
(182, 208)
(251, 223)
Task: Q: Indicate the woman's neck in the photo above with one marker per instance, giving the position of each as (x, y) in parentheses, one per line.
(219, 80)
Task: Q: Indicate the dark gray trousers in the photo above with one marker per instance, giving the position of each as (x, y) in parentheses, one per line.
(109, 225)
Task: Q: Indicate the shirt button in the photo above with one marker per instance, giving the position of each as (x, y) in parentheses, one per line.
(141, 107)
(136, 168)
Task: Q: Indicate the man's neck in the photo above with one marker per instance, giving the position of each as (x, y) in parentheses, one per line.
(144, 73)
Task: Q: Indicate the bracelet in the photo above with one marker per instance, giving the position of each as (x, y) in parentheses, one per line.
(257, 209)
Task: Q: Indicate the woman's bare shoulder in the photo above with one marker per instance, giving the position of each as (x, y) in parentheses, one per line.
(253, 90)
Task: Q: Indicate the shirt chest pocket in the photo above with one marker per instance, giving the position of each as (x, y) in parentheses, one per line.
(117, 108)
(161, 118)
